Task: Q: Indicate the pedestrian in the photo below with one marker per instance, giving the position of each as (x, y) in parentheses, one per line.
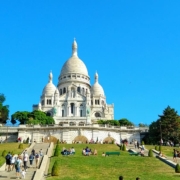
(31, 158)
(174, 155)
(13, 159)
(137, 144)
(25, 160)
(37, 159)
(40, 152)
(33, 152)
(18, 163)
(8, 161)
(23, 174)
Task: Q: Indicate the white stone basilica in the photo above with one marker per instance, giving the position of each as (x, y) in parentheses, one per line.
(74, 101)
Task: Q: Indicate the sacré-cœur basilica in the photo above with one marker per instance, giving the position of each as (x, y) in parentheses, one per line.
(76, 106)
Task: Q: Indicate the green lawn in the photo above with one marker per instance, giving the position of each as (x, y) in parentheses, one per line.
(10, 147)
(109, 168)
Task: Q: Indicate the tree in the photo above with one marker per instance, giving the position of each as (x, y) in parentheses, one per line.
(125, 122)
(22, 116)
(167, 126)
(35, 117)
(4, 109)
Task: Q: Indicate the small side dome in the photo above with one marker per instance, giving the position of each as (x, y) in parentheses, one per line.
(50, 88)
(57, 91)
(97, 89)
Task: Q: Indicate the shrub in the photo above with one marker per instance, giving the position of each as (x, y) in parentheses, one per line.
(123, 147)
(55, 169)
(160, 148)
(57, 151)
(177, 168)
(20, 146)
(58, 141)
(142, 143)
(4, 153)
(156, 148)
(150, 153)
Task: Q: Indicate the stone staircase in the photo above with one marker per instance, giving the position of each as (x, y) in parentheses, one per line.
(4, 175)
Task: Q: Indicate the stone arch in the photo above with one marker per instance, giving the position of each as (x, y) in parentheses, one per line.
(80, 139)
(109, 140)
(49, 139)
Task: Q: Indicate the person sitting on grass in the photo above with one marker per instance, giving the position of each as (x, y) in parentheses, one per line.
(84, 152)
(103, 154)
(95, 152)
(141, 152)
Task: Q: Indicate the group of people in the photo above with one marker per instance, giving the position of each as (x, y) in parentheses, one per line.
(87, 151)
(70, 151)
(122, 178)
(19, 162)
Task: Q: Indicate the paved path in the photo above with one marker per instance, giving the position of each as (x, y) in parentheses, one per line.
(4, 175)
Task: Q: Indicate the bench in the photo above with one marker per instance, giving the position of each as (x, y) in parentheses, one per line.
(134, 154)
(112, 153)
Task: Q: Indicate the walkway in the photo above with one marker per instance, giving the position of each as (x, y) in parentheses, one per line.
(4, 175)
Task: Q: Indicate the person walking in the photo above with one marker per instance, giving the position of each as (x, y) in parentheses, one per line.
(25, 160)
(8, 161)
(37, 159)
(31, 158)
(18, 164)
(174, 155)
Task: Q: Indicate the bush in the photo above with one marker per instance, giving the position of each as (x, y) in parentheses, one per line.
(55, 169)
(177, 168)
(123, 147)
(142, 143)
(58, 141)
(4, 153)
(150, 153)
(57, 152)
(160, 148)
(20, 146)
(156, 148)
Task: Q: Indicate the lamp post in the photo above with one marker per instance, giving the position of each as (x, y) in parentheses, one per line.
(160, 133)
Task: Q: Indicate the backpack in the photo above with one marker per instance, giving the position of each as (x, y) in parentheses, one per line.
(8, 157)
(17, 163)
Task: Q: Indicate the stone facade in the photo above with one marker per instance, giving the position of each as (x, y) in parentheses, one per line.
(75, 100)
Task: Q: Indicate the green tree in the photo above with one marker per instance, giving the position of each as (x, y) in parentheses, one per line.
(167, 126)
(4, 109)
(35, 117)
(125, 122)
(22, 116)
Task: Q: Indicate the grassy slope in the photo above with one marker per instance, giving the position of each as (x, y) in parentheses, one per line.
(104, 168)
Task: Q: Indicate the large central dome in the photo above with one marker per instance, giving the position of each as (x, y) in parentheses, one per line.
(74, 64)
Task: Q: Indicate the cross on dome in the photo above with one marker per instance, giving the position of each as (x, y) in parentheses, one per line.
(50, 77)
(74, 48)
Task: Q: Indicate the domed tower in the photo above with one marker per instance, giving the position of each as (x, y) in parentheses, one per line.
(47, 99)
(74, 87)
(98, 99)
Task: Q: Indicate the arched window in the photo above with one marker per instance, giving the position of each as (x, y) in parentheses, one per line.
(60, 91)
(78, 89)
(64, 90)
(97, 114)
(83, 91)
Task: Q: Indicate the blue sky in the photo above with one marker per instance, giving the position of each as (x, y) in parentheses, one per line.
(133, 45)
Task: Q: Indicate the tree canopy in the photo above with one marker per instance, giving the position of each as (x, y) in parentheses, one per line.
(125, 122)
(4, 109)
(35, 117)
(167, 126)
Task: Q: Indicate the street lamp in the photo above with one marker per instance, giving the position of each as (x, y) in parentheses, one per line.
(160, 133)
